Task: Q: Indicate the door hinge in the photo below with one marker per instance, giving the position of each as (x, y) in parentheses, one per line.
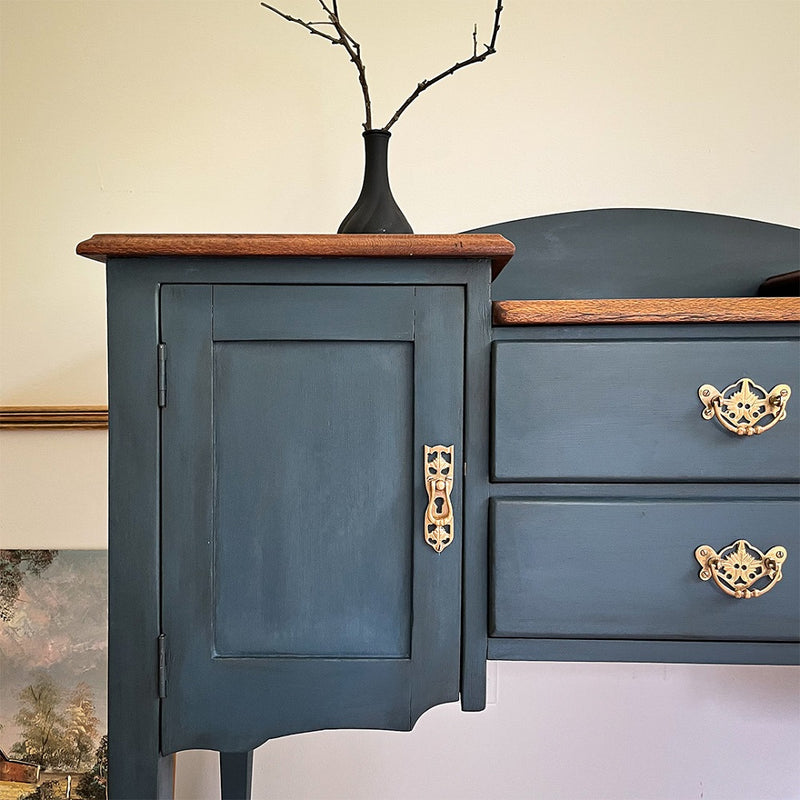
(162, 666)
(162, 375)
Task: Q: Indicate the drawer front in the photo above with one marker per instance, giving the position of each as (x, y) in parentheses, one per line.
(626, 569)
(630, 411)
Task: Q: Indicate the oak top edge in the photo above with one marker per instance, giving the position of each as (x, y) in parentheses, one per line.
(646, 310)
(136, 245)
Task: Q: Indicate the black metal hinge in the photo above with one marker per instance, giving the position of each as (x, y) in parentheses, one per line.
(162, 375)
(162, 666)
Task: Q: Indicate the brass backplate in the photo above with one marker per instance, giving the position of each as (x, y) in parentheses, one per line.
(744, 407)
(741, 570)
(439, 461)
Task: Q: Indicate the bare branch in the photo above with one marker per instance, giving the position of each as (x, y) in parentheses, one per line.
(474, 59)
(353, 48)
(309, 26)
(497, 11)
(333, 14)
(344, 39)
(354, 51)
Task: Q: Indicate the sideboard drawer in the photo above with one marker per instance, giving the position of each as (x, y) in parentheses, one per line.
(629, 410)
(626, 569)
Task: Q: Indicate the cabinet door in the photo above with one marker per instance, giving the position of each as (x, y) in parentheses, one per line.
(298, 591)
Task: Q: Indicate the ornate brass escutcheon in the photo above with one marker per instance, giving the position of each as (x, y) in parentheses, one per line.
(439, 483)
(737, 568)
(745, 407)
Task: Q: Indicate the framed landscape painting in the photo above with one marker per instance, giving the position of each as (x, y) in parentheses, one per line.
(53, 660)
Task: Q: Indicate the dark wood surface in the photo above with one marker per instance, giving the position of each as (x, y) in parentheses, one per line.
(53, 417)
(375, 246)
(646, 310)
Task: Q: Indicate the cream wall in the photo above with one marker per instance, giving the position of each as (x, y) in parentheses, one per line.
(212, 115)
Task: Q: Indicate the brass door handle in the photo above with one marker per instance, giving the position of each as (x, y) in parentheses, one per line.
(439, 530)
(744, 407)
(737, 568)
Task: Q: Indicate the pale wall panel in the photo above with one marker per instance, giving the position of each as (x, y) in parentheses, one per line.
(53, 489)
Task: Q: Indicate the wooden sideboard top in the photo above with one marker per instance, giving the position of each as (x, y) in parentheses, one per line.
(468, 245)
(646, 310)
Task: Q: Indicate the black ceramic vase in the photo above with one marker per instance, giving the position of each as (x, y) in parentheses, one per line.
(375, 210)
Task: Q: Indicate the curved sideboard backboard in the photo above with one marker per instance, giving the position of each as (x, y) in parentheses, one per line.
(640, 252)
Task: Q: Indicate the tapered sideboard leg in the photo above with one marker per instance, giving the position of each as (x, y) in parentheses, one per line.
(236, 773)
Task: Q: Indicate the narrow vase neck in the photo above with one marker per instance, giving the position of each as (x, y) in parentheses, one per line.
(376, 158)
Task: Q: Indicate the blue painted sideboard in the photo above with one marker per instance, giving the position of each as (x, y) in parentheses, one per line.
(338, 484)
(605, 475)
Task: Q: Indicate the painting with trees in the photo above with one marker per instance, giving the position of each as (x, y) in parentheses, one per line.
(53, 659)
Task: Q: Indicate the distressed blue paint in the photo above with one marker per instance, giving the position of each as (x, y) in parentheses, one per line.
(641, 252)
(625, 569)
(276, 367)
(606, 477)
(236, 775)
(628, 410)
(296, 591)
(313, 508)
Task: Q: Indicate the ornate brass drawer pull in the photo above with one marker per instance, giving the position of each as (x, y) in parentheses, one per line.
(439, 483)
(744, 406)
(737, 568)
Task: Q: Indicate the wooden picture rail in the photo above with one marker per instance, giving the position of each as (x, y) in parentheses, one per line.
(53, 417)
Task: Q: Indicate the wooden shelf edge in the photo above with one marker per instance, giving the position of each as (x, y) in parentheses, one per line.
(646, 310)
(284, 245)
(53, 417)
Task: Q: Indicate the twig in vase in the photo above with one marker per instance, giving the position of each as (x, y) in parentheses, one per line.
(307, 25)
(344, 39)
(474, 59)
(353, 49)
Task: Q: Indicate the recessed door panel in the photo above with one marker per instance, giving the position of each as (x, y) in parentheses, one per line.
(313, 525)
